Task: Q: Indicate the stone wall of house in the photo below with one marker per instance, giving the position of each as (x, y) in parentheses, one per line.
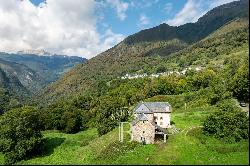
(150, 117)
(143, 129)
(162, 119)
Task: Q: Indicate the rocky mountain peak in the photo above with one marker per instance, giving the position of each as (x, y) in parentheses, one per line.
(40, 52)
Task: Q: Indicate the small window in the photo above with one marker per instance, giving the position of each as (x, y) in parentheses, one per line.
(155, 122)
(161, 123)
(161, 118)
(155, 118)
(143, 121)
(143, 132)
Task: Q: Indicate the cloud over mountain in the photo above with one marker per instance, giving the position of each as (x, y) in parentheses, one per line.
(58, 26)
(193, 10)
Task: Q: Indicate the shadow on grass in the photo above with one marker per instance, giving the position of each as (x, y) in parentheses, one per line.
(50, 144)
(159, 138)
(46, 149)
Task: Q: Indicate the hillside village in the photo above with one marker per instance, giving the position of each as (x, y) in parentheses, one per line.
(182, 72)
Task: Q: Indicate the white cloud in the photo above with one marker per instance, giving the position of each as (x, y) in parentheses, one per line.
(143, 21)
(143, 3)
(189, 13)
(121, 8)
(220, 2)
(168, 7)
(58, 26)
(193, 10)
(111, 38)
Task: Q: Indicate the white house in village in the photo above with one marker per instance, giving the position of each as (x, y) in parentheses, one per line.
(150, 119)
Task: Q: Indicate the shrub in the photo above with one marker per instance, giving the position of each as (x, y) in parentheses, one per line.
(63, 116)
(240, 83)
(110, 112)
(172, 122)
(227, 105)
(71, 121)
(20, 134)
(230, 125)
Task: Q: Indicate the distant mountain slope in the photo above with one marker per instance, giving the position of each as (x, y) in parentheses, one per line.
(11, 88)
(148, 48)
(8, 83)
(48, 67)
(23, 75)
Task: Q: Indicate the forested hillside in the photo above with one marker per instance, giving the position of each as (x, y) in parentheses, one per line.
(149, 50)
(14, 84)
(225, 75)
(23, 75)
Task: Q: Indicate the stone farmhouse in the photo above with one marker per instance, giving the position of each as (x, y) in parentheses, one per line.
(150, 119)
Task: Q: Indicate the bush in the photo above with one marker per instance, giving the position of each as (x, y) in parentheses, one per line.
(231, 125)
(63, 116)
(111, 111)
(71, 121)
(218, 91)
(20, 134)
(240, 83)
(172, 122)
(227, 105)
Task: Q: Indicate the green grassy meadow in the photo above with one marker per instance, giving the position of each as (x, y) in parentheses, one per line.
(189, 146)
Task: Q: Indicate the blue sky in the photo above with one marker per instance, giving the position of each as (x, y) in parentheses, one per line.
(88, 27)
(153, 12)
(156, 11)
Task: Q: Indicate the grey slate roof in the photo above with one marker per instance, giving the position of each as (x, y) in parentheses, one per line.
(140, 117)
(153, 107)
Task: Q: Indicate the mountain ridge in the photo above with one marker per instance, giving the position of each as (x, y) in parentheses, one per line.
(48, 68)
(131, 55)
(39, 52)
(191, 32)
(23, 75)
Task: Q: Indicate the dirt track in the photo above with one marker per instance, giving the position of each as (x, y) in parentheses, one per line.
(245, 109)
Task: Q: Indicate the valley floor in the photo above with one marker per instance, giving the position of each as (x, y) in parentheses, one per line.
(186, 147)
